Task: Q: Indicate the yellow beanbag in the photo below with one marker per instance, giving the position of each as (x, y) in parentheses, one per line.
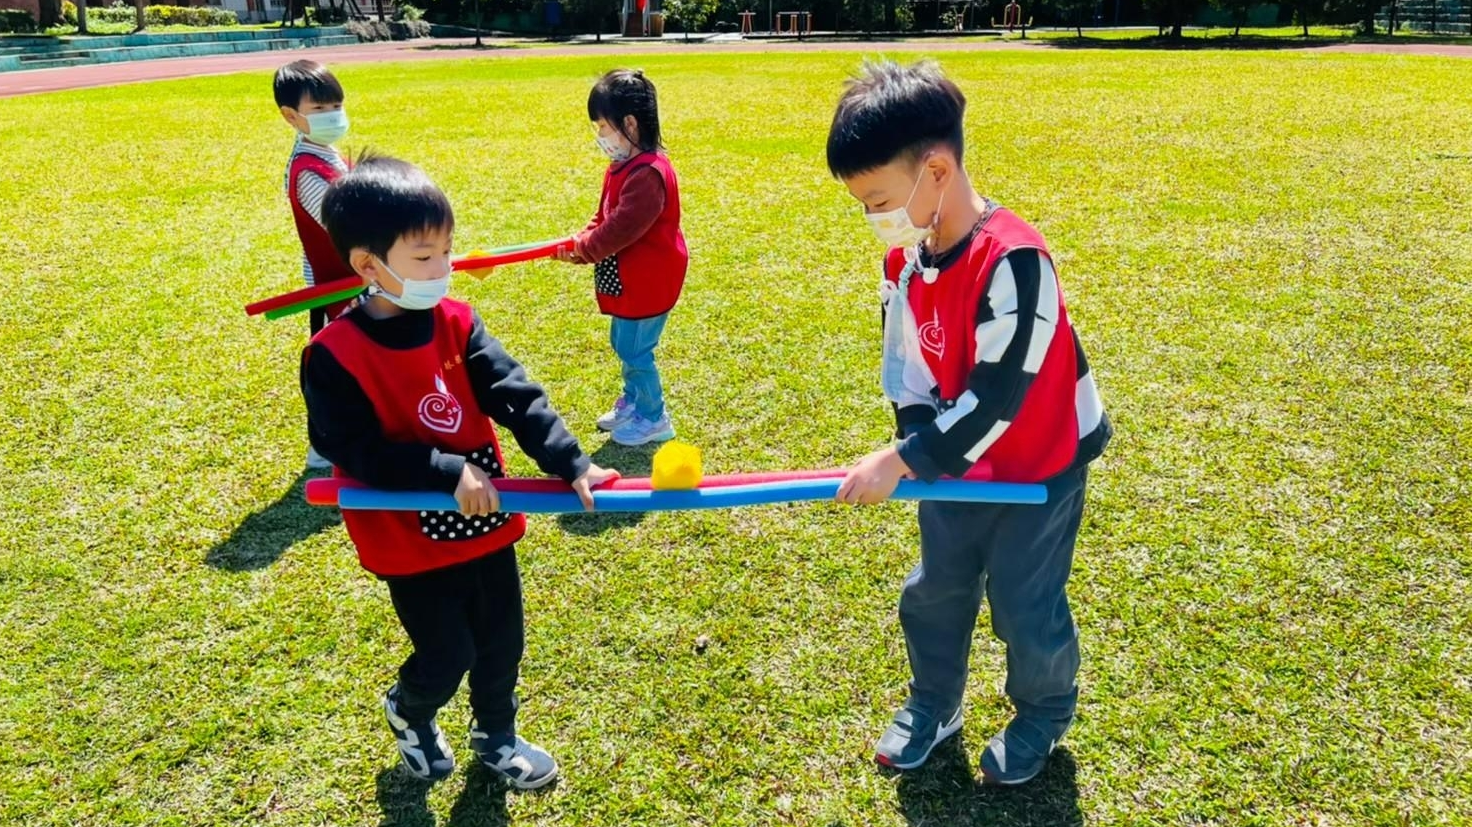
(676, 467)
(482, 272)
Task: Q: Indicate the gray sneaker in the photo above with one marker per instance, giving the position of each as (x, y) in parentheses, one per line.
(523, 764)
(316, 461)
(640, 431)
(620, 413)
(912, 737)
(1018, 753)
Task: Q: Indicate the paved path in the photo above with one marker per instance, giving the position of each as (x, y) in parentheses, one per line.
(1438, 49)
(79, 77)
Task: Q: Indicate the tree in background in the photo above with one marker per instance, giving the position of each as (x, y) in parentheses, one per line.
(692, 14)
(48, 14)
(1074, 11)
(1238, 10)
(1361, 12)
(1309, 12)
(1173, 14)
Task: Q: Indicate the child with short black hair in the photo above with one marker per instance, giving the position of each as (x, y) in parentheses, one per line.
(311, 100)
(403, 392)
(980, 362)
(635, 243)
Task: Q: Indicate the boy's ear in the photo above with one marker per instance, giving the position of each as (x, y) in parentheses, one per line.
(293, 117)
(364, 263)
(941, 165)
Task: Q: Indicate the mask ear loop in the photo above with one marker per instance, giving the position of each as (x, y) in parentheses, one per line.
(930, 274)
(912, 255)
(375, 288)
(914, 188)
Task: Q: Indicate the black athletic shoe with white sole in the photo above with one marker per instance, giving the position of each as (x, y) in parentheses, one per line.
(423, 748)
(523, 764)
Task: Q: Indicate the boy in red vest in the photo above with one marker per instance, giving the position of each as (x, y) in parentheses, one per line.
(311, 100)
(401, 393)
(980, 362)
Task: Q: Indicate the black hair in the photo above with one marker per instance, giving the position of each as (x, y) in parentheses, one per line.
(305, 77)
(379, 201)
(624, 92)
(890, 112)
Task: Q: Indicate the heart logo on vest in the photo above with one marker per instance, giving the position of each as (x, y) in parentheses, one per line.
(440, 411)
(933, 336)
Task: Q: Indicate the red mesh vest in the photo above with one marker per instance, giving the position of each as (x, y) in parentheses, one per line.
(327, 265)
(424, 395)
(643, 279)
(1043, 438)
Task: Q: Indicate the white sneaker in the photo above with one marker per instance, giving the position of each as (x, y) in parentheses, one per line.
(618, 415)
(316, 461)
(640, 431)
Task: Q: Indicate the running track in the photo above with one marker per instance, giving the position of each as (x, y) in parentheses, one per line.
(80, 77)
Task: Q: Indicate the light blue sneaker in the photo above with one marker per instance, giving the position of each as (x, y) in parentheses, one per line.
(1018, 753)
(620, 413)
(912, 737)
(641, 431)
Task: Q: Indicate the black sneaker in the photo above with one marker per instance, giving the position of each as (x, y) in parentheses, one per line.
(523, 764)
(423, 748)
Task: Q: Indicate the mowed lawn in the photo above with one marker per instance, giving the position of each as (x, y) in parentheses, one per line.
(1269, 257)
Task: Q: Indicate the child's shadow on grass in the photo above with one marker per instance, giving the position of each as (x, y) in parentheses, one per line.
(947, 791)
(630, 462)
(264, 536)
(402, 799)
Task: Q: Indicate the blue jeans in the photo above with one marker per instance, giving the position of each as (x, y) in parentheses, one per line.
(634, 341)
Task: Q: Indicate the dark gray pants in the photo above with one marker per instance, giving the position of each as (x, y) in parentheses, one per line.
(1020, 555)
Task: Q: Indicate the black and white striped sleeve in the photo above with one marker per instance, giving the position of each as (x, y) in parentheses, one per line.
(1015, 323)
(311, 188)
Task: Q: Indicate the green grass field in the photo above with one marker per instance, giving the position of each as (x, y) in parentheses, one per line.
(1267, 256)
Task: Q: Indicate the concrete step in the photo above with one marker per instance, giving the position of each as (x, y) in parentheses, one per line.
(56, 64)
(209, 49)
(24, 41)
(219, 36)
(42, 49)
(96, 52)
(70, 54)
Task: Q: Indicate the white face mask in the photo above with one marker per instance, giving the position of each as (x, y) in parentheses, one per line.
(615, 148)
(417, 294)
(896, 229)
(327, 127)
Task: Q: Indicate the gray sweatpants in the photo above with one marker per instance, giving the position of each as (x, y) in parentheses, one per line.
(1021, 556)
